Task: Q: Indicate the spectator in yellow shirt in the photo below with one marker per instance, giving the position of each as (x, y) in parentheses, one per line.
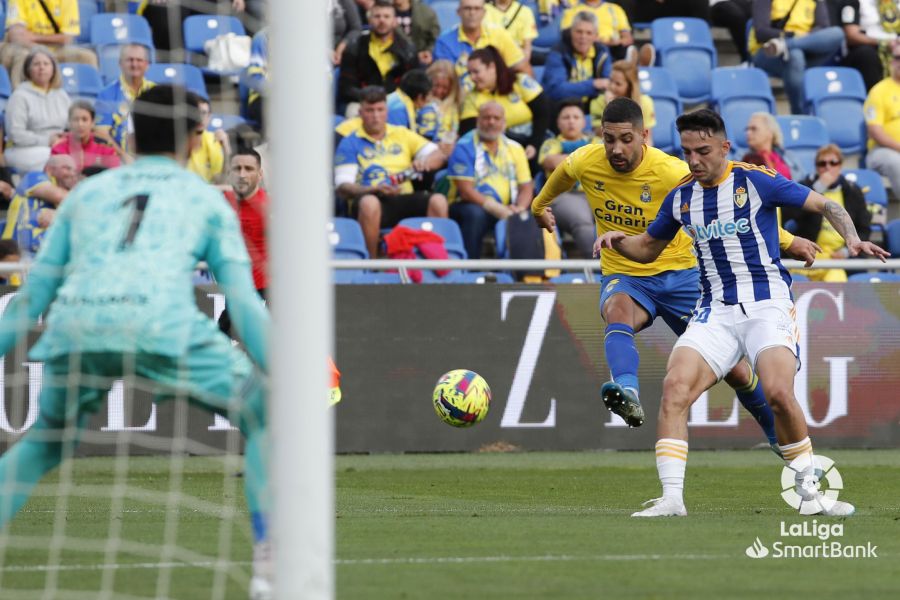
(28, 25)
(517, 19)
(882, 112)
(208, 160)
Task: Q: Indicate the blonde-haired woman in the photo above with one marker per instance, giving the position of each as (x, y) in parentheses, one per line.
(766, 141)
(447, 97)
(623, 83)
(36, 114)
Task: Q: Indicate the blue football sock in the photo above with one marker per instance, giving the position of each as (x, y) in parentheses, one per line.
(754, 401)
(622, 355)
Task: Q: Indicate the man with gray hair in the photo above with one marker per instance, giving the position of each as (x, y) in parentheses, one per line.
(114, 101)
(489, 178)
(579, 66)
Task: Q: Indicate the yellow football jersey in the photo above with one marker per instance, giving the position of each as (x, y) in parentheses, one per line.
(515, 104)
(625, 202)
(518, 20)
(883, 108)
(30, 14)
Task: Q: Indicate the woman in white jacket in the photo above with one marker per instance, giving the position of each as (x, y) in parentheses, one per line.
(36, 113)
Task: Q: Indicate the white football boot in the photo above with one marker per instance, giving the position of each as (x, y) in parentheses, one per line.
(263, 571)
(838, 509)
(662, 507)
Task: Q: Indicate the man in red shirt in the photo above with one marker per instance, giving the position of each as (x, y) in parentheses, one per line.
(251, 203)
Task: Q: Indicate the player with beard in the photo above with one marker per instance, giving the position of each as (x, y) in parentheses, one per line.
(625, 181)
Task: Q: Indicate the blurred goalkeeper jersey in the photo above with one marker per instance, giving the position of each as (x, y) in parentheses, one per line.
(129, 240)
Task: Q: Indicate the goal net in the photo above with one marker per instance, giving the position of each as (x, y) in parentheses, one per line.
(148, 498)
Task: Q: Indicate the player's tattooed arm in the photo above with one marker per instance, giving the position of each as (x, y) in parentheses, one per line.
(841, 221)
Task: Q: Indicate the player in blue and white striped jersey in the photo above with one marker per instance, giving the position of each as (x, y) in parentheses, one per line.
(746, 307)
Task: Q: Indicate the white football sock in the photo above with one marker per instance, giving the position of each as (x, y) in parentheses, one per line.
(792, 451)
(671, 461)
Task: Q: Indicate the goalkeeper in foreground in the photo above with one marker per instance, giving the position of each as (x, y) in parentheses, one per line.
(115, 271)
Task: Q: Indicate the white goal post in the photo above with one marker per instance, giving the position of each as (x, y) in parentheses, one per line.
(300, 424)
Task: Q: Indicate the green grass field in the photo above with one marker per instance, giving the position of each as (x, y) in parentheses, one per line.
(492, 526)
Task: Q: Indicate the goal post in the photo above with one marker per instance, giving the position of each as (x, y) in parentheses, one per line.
(301, 425)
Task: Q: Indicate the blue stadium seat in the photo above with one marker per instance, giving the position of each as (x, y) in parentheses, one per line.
(377, 277)
(737, 93)
(446, 13)
(875, 277)
(684, 45)
(837, 95)
(188, 76)
(81, 81)
(659, 84)
(797, 277)
(446, 228)
(871, 184)
(569, 278)
(892, 232)
(5, 88)
(803, 136)
(86, 10)
(549, 36)
(198, 29)
(538, 71)
(346, 238)
(344, 276)
(225, 122)
(115, 29)
(477, 277)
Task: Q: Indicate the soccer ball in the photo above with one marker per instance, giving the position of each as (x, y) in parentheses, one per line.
(461, 398)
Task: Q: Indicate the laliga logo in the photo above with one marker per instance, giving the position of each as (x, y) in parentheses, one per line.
(757, 550)
(801, 482)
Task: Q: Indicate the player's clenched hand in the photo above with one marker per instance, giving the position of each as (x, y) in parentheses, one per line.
(803, 249)
(546, 220)
(857, 248)
(607, 240)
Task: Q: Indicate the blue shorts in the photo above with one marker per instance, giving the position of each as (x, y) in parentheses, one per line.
(671, 295)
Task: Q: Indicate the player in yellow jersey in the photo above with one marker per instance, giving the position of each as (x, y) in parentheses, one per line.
(625, 182)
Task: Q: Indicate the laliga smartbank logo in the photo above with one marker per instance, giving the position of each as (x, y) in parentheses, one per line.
(811, 485)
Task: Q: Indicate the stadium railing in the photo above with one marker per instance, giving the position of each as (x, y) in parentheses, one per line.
(590, 268)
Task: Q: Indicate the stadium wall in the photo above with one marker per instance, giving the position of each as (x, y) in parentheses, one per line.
(541, 350)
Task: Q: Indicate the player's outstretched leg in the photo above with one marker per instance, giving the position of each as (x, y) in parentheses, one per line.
(750, 394)
(776, 367)
(252, 424)
(687, 377)
(624, 316)
(42, 448)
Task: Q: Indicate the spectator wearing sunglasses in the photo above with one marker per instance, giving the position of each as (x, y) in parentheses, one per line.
(829, 182)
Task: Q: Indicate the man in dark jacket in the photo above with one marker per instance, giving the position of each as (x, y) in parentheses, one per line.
(579, 66)
(379, 56)
(418, 22)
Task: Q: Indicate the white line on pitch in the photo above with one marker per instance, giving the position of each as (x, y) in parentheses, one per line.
(369, 561)
(100, 567)
(545, 558)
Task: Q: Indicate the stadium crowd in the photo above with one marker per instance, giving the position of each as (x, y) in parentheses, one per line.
(459, 109)
(543, 71)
